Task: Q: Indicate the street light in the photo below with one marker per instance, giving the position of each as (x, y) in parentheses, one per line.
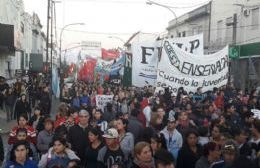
(72, 24)
(149, 2)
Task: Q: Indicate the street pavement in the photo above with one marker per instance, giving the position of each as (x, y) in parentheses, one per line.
(7, 126)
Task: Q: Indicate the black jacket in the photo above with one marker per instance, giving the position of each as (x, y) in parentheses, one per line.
(22, 108)
(40, 125)
(10, 99)
(187, 158)
(45, 103)
(78, 138)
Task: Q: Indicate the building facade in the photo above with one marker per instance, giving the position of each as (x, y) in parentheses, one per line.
(27, 39)
(192, 23)
(227, 23)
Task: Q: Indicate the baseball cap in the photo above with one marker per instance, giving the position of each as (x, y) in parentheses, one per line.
(111, 133)
(171, 119)
(229, 147)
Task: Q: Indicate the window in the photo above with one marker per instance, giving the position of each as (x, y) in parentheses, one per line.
(22, 27)
(200, 29)
(179, 34)
(195, 30)
(184, 34)
(26, 60)
(255, 18)
(219, 31)
(229, 30)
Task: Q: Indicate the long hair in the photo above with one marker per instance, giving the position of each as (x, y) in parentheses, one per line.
(159, 138)
(188, 133)
(97, 132)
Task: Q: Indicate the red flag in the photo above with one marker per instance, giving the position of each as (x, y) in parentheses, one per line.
(110, 54)
(71, 68)
(87, 71)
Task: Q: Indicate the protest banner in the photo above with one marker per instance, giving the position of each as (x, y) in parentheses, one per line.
(104, 66)
(178, 68)
(256, 113)
(146, 56)
(102, 100)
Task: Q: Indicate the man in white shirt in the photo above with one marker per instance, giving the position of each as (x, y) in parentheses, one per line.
(172, 136)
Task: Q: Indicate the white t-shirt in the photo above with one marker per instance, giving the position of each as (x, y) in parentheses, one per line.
(147, 113)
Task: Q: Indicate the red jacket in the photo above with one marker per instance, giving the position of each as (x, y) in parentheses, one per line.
(31, 135)
(144, 103)
(59, 121)
(219, 102)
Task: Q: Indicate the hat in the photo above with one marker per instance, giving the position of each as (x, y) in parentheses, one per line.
(171, 118)
(111, 133)
(83, 111)
(230, 147)
(184, 96)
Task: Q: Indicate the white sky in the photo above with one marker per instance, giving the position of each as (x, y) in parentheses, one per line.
(122, 18)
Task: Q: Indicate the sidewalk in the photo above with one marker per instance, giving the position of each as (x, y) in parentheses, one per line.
(4, 125)
(7, 126)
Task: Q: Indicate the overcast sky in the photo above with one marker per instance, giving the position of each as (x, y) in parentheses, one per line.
(104, 18)
(122, 18)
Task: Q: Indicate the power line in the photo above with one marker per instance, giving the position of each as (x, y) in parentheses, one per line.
(114, 33)
(186, 7)
(101, 33)
(139, 2)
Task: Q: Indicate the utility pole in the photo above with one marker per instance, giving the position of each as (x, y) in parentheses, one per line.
(234, 29)
(52, 3)
(47, 41)
(233, 64)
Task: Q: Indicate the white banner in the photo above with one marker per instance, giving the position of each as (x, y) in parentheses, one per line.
(256, 113)
(178, 68)
(145, 57)
(102, 100)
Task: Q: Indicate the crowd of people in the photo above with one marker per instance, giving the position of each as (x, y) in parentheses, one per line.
(137, 129)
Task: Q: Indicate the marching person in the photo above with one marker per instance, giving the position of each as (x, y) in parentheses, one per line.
(143, 156)
(22, 107)
(45, 137)
(23, 123)
(111, 154)
(172, 136)
(19, 156)
(58, 155)
(77, 135)
(96, 143)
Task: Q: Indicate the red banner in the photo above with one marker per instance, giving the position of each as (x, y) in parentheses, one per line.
(86, 73)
